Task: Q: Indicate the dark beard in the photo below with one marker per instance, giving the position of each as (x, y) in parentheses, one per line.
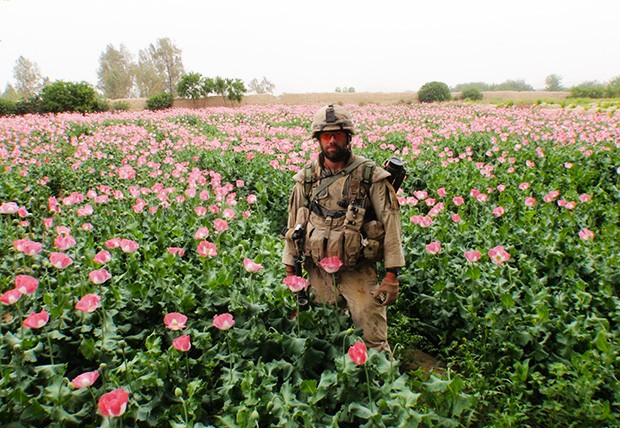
(339, 156)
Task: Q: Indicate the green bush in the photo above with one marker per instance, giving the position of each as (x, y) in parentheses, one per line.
(472, 94)
(120, 105)
(30, 105)
(159, 101)
(434, 92)
(7, 107)
(70, 96)
(588, 90)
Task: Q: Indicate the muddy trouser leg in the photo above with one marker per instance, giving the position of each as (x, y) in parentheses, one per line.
(356, 286)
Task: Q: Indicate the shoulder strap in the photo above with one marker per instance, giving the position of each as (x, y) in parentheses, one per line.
(327, 181)
(369, 171)
(308, 181)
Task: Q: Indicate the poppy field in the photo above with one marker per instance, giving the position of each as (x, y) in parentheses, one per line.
(141, 281)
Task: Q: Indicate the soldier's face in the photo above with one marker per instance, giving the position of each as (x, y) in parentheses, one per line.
(334, 145)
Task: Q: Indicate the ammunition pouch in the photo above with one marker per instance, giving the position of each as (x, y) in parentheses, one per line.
(374, 233)
(339, 235)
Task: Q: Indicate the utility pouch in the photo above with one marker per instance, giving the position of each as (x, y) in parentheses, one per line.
(374, 231)
(352, 244)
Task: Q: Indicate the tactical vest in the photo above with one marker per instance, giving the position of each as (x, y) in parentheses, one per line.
(340, 214)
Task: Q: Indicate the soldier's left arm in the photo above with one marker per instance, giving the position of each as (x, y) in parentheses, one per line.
(385, 203)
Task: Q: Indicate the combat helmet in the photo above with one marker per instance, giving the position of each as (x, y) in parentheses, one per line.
(332, 117)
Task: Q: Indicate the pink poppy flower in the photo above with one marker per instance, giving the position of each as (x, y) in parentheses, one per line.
(246, 214)
(228, 214)
(498, 255)
(524, 186)
(176, 251)
(64, 242)
(60, 260)
(472, 256)
(434, 247)
(201, 233)
(9, 208)
(207, 249)
(182, 343)
(126, 172)
(251, 266)
(102, 257)
(175, 321)
(128, 246)
(28, 247)
(214, 209)
(586, 234)
(420, 194)
(358, 353)
(114, 403)
(331, 264)
(295, 283)
(204, 195)
(85, 211)
(456, 218)
(220, 225)
(530, 202)
(441, 192)
(482, 197)
(36, 319)
(584, 197)
(200, 211)
(48, 222)
(87, 226)
(85, 379)
(26, 284)
(99, 276)
(499, 211)
(88, 303)
(458, 201)
(223, 321)
(113, 243)
(251, 199)
(11, 296)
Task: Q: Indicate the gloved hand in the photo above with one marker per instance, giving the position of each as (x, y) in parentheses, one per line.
(387, 292)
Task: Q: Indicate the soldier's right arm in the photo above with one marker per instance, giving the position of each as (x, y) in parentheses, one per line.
(297, 200)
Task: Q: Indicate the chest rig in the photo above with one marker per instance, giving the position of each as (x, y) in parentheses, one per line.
(338, 205)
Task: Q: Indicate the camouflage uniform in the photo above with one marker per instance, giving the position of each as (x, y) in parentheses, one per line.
(332, 230)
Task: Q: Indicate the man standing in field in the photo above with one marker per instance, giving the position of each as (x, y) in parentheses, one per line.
(343, 218)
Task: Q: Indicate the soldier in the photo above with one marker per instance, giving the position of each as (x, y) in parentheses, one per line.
(345, 206)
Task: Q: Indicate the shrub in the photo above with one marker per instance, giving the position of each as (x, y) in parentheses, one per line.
(120, 105)
(472, 94)
(69, 96)
(588, 90)
(434, 92)
(7, 107)
(159, 101)
(30, 105)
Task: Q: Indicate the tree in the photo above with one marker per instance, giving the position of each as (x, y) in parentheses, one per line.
(29, 80)
(553, 82)
(514, 85)
(116, 72)
(9, 93)
(148, 81)
(191, 85)
(613, 87)
(165, 58)
(262, 87)
(236, 89)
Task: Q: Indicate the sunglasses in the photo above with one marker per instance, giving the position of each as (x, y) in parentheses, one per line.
(338, 136)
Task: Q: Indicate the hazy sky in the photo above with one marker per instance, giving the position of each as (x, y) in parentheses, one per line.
(319, 45)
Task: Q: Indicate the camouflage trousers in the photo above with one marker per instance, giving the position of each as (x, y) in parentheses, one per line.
(354, 287)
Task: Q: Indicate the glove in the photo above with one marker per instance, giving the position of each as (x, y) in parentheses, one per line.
(290, 270)
(387, 292)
